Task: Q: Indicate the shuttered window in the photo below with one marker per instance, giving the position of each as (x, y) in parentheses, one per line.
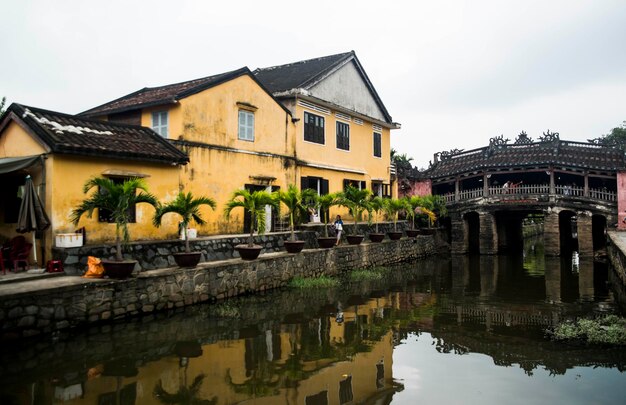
(343, 136)
(313, 128)
(246, 125)
(377, 145)
(160, 123)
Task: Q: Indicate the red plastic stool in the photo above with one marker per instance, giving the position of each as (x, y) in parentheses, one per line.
(54, 266)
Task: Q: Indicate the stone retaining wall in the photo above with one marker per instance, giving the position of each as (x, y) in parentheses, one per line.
(617, 276)
(152, 255)
(25, 312)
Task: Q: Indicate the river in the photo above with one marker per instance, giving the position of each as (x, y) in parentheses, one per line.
(447, 330)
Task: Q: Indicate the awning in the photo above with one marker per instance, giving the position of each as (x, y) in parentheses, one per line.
(8, 165)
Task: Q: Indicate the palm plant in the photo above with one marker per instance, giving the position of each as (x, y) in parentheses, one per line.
(392, 208)
(355, 200)
(375, 206)
(412, 204)
(118, 199)
(324, 203)
(296, 202)
(188, 207)
(254, 203)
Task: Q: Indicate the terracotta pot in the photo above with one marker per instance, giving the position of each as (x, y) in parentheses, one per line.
(294, 246)
(326, 243)
(249, 252)
(118, 270)
(394, 235)
(411, 233)
(355, 239)
(185, 259)
(376, 237)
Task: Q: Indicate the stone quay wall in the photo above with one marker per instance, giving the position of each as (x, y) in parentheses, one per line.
(616, 250)
(77, 302)
(157, 254)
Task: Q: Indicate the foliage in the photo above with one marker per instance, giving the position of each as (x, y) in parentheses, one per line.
(254, 203)
(356, 202)
(317, 282)
(375, 273)
(227, 310)
(188, 207)
(617, 137)
(324, 203)
(374, 206)
(610, 330)
(118, 199)
(296, 202)
(392, 208)
(2, 104)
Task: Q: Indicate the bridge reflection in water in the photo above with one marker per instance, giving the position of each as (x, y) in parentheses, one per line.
(340, 345)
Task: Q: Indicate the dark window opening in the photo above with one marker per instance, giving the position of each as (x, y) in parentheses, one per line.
(343, 136)
(377, 145)
(313, 128)
(105, 215)
(360, 184)
(11, 197)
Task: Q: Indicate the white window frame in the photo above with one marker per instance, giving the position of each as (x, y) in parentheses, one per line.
(157, 123)
(245, 131)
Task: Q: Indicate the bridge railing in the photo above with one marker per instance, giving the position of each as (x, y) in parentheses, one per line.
(532, 190)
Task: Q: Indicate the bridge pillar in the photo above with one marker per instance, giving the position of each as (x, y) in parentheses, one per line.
(585, 233)
(551, 235)
(552, 276)
(459, 236)
(488, 237)
(585, 279)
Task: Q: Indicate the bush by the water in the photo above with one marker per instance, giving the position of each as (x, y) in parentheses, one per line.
(318, 282)
(610, 330)
(375, 273)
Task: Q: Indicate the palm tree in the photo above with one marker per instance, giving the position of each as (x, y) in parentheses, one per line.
(118, 199)
(375, 205)
(254, 203)
(296, 202)
(324, 203)
(355, 200)
(392, 208)
(412, 204)
(188, 208)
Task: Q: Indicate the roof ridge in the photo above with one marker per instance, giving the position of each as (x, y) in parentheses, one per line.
(304, 61)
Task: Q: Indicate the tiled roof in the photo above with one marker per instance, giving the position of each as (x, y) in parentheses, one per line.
(568, 154)
(153, 96)
(69, 134)
(298, 74)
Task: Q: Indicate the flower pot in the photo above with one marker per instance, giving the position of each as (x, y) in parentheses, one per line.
(411, 233)
(249, 252)
(326, 243)
(376, 237)
(185, 259)
(118, 270)
(355, 239)
(294, 246)
(394, 235)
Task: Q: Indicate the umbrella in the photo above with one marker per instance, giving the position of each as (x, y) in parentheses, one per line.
(32, 216)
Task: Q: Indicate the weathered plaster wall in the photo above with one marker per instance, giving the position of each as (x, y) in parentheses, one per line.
(75, 301)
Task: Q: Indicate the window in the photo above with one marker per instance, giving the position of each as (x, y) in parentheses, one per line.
(377, 145)
(105, 215)
(159, 123)
(246, 125)
(343, 136)
(360, 184)
(313, 128)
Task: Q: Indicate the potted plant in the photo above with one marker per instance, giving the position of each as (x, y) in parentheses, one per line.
(413, 203)
(254, 203)
(188, 208)
(295, 201)
(375, 206)
(117, 199)
(428, 204)
(392, 208)
(355, 201)
(324, 203)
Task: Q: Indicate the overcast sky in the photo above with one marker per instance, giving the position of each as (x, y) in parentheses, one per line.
(453, 73)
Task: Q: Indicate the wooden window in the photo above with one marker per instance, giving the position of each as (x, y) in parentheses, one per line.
(343, 136)
(160, 123)
(377, 145)
(313, 128)
(105, 215)
(360, 184)
(246, 125)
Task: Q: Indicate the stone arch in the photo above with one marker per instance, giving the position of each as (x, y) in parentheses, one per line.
(568, 231)
(598, 231)
(471, 220)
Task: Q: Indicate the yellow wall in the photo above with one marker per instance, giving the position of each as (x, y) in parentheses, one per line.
(15, 142)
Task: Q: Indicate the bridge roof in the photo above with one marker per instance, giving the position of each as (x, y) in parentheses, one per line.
(500, 156)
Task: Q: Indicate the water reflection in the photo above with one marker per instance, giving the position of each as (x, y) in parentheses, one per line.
(352, 344)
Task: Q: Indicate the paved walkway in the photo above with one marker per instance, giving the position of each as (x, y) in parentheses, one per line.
(619, 240)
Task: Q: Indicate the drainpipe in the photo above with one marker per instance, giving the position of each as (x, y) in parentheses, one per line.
(43, 191)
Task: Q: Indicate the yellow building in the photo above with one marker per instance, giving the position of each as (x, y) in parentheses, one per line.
(61, 152)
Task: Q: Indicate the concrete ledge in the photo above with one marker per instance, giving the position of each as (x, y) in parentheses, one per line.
(48, 305)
